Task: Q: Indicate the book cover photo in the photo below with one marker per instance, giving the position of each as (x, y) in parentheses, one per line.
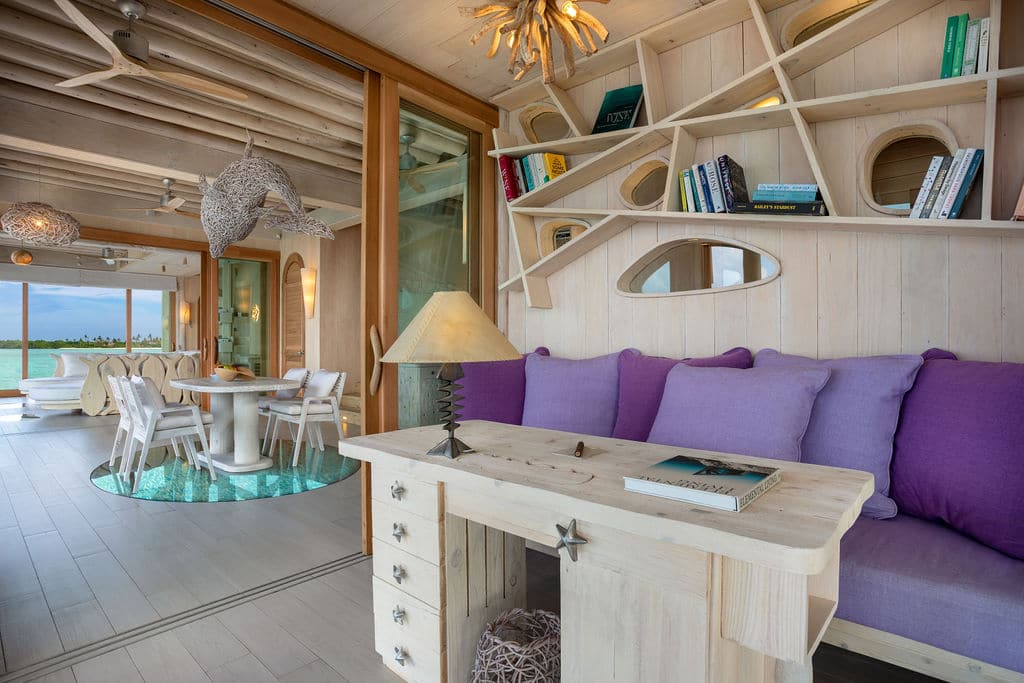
(706, 481)
(619, 109)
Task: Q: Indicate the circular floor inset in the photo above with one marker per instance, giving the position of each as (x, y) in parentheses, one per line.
(166, 478)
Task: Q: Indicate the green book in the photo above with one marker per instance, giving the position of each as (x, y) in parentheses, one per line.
(956, 68)
(619, 109)
(949, 46)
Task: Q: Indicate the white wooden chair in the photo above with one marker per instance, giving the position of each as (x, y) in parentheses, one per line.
(124, 424)
(300, 375)
(155, 424)
(319, 404)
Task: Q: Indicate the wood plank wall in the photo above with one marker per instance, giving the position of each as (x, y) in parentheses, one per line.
(841, 293)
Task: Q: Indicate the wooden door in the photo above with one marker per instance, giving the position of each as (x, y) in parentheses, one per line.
(293, 330)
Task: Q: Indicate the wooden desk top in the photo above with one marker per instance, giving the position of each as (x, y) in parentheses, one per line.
(795, 526)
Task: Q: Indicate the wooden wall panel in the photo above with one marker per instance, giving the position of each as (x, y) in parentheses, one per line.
(341, 292)
(840, 293)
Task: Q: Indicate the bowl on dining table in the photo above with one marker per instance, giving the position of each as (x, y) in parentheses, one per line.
(225, 374)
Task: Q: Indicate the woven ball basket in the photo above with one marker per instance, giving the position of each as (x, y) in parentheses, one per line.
(520, 646)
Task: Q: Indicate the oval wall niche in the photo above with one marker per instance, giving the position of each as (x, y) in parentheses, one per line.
(558, 233)
(542, 122)
(818, 18)
(894, 162)
(698, 265)
(644, 188)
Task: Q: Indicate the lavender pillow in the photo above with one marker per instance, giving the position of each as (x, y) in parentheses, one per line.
(495, 390)
(642, 382)
(959, 454)
(761, 412)
(854, 419)
(572, 395)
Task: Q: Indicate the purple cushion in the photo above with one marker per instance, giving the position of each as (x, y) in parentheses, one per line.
(572, 395)
(959, 455)
(761, 412)
(642, 382)
(495, 390)
(926, 582)
(854, 419)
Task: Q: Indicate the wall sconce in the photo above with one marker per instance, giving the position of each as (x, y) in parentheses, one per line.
(308, 289)
(185, 313)
(243, 300)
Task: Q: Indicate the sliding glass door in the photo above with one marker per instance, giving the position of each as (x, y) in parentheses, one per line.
(438, 237)
(10, 337)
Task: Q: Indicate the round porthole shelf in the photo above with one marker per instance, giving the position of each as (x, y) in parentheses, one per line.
(942, 141)
(644, 188)
(558, 233)
(542, 122)
(816, 19)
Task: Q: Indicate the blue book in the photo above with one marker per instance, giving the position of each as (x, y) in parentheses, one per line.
(524, 163)
(707, 203)
(967, 184)
(784, 196)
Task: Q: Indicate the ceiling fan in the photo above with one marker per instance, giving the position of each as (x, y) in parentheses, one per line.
(129, 54)
(168, 203)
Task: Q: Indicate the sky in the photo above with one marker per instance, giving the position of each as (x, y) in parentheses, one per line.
(62, 312)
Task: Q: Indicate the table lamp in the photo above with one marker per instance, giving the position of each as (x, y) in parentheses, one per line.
(450, 329)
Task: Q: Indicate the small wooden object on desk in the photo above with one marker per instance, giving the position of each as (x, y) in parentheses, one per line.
(658, 587)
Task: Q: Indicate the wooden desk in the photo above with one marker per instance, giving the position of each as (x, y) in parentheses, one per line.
(663, 591)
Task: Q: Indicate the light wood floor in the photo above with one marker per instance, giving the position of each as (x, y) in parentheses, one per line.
(78, 566)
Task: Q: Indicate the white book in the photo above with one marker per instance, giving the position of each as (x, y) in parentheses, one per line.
(958, 181)
(926, 186)
(944, 190)
(537, 166)
(970, 63)
(983, 39)
(715, 185)
(688, 186)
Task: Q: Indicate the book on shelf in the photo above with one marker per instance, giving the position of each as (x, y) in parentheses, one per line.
(734, 183)
(620, 109)
(926, 186)
(706, 204)
(524, 164)
(682, 191)
(714, 186)
(956, 68)
(947, 184)
(815, 208)
(693, 185)
(786, 192)
(965, 47)
(1018, 212)
(970, 63)
(539, 168)
(509, 180)
(720, 484)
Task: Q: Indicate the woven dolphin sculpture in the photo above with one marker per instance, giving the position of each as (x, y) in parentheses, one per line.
(234, 202)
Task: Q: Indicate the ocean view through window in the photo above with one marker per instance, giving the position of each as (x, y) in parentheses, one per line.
(68, 319)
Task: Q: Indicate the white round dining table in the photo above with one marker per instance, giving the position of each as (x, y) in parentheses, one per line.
(234, 433)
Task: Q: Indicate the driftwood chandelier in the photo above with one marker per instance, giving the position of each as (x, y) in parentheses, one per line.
(526, 26)
(39, 223)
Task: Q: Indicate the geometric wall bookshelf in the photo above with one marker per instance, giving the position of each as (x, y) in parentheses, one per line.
(678, 134)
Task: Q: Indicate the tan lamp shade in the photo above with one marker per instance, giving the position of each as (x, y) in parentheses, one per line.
(451, 328)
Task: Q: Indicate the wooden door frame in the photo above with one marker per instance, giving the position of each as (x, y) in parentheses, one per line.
(381, 149)
(294, 257)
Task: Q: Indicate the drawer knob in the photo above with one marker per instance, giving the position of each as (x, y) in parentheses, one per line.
(397, 491)
(400, 655)
(398, 572)
(398, 530)
(398, 614)
(569, 539)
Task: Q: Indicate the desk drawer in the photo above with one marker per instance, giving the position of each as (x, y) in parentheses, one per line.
(417, 622)
(407, 531)
(405, 493)
(418, 662)
(419, 578)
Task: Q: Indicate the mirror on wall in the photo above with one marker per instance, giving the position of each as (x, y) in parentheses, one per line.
(542, 122)
(698, 264)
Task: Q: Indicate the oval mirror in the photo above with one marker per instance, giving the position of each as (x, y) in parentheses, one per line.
(645, 186)
(558, 233)
(698, 265)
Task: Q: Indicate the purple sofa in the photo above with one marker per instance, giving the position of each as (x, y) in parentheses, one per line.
(938, 553)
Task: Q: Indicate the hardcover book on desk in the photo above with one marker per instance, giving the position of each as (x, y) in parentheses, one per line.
(705, 481)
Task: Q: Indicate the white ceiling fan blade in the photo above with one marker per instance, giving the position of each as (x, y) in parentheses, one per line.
(190, 82)
(175, 202)
(89, 78)
(88, 28)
